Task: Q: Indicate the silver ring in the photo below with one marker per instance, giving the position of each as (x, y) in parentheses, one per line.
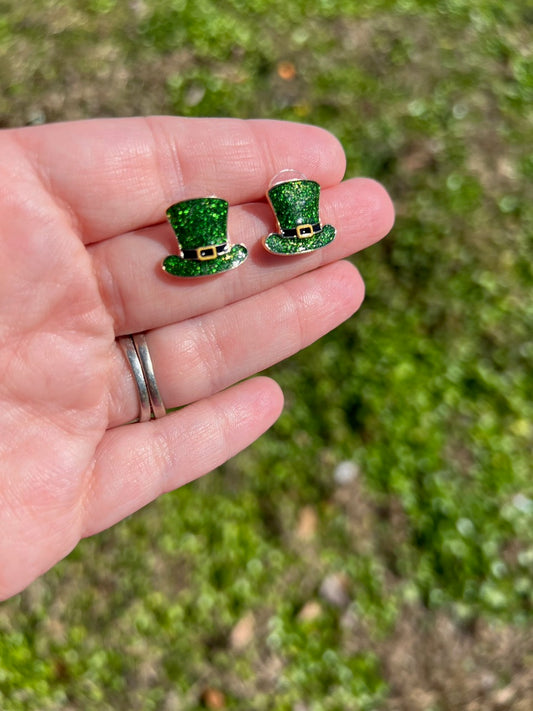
(128, 346)
(156, 401)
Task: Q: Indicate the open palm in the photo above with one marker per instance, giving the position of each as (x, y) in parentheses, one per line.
(82, 236)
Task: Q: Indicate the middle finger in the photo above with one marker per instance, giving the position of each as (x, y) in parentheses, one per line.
(140, 296)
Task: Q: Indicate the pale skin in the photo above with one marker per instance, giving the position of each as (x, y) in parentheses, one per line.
(82, 236)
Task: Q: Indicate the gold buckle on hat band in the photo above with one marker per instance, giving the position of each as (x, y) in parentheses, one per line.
(204, 254)
(303, 231)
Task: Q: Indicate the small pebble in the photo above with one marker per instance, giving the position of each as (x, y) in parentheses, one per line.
(333, 590)
(346, 472)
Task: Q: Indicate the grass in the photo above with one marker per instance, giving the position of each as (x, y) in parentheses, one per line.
(427, 392)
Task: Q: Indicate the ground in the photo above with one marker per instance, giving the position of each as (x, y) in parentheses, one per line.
(374, 551)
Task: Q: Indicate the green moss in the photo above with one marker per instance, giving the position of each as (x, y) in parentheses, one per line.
(428, 389)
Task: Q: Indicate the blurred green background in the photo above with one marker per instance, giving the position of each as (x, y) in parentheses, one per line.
(375, 549)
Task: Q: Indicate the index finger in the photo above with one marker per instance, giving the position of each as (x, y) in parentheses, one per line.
(118, 175)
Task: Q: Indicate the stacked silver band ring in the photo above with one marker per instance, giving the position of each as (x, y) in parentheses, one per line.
(136, 351)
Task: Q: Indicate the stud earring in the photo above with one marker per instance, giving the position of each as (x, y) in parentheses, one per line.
(200, 226)
(295, 200)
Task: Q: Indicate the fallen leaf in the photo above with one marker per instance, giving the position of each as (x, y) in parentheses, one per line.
(307, 524)
(310, 611)
(213, 699)
(243, 632)
(286, 71)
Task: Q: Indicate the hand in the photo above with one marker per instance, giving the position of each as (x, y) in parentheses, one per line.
(82, 236)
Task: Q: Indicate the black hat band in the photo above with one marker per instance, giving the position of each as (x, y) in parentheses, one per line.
(204, 254)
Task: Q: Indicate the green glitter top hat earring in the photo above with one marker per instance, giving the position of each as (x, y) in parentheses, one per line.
(200, 227)
(295, 203)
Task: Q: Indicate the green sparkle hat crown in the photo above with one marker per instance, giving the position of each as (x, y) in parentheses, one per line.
(200, 227)
(296, 205)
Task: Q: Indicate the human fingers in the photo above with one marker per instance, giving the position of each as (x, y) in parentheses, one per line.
(115, 175)
(200, 356)
(137, 463)
(140, 296)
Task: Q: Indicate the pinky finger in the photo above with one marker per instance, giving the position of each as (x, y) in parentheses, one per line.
(137, 463)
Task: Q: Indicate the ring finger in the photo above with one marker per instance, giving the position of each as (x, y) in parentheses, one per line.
(205, 354)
